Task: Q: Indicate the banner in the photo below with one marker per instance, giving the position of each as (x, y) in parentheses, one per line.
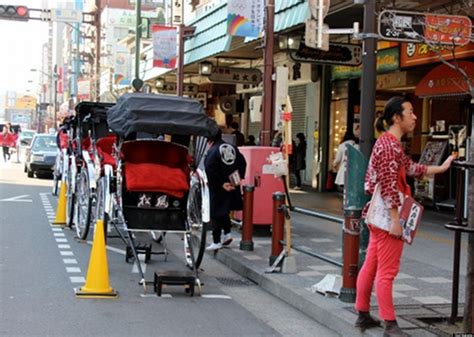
(164, 46)
(245, 17)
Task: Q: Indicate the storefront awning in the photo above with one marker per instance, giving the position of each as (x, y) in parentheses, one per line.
(210, 37)
(445, 81)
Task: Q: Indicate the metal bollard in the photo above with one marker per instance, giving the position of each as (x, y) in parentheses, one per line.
(350, 266)
(278, 220)
(246, 242)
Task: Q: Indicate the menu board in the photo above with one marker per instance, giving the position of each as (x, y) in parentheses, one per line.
(433, 154)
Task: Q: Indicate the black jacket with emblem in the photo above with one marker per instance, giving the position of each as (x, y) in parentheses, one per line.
(221, 161)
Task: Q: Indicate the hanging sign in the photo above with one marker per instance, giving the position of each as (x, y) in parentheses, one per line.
(189, 89)
(235, 75)
(245, 17)
(164, 46)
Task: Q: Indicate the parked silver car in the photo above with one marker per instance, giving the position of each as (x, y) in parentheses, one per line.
(41, 155)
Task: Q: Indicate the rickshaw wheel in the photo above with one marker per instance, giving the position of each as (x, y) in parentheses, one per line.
(197, 226)
(84, 206)
(70, 201)
(98, 211)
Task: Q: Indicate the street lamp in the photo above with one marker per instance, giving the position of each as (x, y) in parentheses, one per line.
(54, 79)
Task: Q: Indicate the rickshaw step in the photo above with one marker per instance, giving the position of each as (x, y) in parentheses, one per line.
(141, 248)
(174, 278)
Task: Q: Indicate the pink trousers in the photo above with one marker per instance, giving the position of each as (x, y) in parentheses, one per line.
(382, 264)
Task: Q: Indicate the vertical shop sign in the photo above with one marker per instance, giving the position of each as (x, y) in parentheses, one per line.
(164, 46)
(245, 17)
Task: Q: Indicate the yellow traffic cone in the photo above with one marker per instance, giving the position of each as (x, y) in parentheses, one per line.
(97, 281)
(60, 219)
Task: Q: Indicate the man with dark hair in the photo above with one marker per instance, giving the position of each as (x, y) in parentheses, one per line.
(239, 136)
(388, 168)
(225, 167)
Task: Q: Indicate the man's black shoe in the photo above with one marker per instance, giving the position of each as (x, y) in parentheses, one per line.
(365, 321)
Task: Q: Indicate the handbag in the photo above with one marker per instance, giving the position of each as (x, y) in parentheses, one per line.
(410, 214)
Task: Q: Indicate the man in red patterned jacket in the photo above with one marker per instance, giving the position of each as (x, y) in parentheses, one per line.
(388, 167)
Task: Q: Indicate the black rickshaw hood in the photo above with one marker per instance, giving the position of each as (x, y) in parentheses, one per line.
(159, 114)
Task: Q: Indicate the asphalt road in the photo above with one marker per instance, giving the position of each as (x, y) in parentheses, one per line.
(40, 266)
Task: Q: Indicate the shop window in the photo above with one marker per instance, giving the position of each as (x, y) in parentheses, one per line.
(338, 117)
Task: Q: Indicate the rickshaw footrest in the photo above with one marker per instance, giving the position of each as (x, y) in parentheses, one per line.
(174, 278)
(141, 248)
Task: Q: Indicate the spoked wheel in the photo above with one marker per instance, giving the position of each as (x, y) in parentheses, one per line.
(84, 205)
(98, 208)
(197, 239)
(70, 200)
(56, 175)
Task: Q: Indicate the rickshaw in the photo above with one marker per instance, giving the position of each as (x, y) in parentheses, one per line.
(62, 159)
(158, 183)
(85, 164)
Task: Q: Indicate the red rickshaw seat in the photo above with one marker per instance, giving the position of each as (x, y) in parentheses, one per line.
(156, 166)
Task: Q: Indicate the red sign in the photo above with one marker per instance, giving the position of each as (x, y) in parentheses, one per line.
(395, 25)
(412, 54)
(444, 80)
(447, 29)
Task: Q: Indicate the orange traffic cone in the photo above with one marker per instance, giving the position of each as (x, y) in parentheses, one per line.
(97, 281)
(60, 219)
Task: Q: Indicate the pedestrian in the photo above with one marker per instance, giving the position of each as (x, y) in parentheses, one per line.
(299, 158)
(339, 163)
(239, 136)
(251, 141)
(225, 167)
(6, 135)
(388, 167)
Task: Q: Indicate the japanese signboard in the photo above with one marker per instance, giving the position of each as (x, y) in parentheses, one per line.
(235, 75)
(245, 17)
(178, 11)
(189, 89)
(164, 46)
(412, 54)
(387, 60)
(344, 54)
(424, 27)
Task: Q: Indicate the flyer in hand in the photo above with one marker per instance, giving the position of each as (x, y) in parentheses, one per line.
(234, 178)
(410, 218)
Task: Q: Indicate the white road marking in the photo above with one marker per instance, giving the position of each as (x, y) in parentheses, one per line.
(69, 261)
(112, 249)
(64, 246)
(216, 296)
(66, 253)
(56, 229)
(149, 295)
(61, 240)
(18, 198)
(73, 269)
(77, 279)
(59, 234)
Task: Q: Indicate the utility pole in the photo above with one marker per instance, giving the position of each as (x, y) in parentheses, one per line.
(179, 86)
(369, 69)
(268, 106)
(137, 83)
(97, 49)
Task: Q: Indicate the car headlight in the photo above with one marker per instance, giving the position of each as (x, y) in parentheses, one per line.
(36, 157)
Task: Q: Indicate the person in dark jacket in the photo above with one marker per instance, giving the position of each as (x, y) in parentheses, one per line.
(225, 167)
(239, 136)
(299, 158)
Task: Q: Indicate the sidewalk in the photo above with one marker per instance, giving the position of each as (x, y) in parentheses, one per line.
(422, 289)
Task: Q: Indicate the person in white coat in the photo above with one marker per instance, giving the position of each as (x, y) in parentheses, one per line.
(339, 162)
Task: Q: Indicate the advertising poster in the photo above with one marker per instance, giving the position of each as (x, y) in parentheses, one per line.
(164, 46)
(245, 17)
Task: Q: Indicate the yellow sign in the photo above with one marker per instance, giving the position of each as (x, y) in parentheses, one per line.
(25, 102)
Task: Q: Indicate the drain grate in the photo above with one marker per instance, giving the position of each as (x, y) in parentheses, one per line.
(232, 282)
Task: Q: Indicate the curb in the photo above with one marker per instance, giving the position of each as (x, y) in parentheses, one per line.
(323, 310)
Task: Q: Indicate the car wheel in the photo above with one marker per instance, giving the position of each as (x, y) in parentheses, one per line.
(30, 173)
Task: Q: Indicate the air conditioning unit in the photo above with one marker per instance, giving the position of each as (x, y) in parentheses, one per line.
(228, 105)
(255, 107)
